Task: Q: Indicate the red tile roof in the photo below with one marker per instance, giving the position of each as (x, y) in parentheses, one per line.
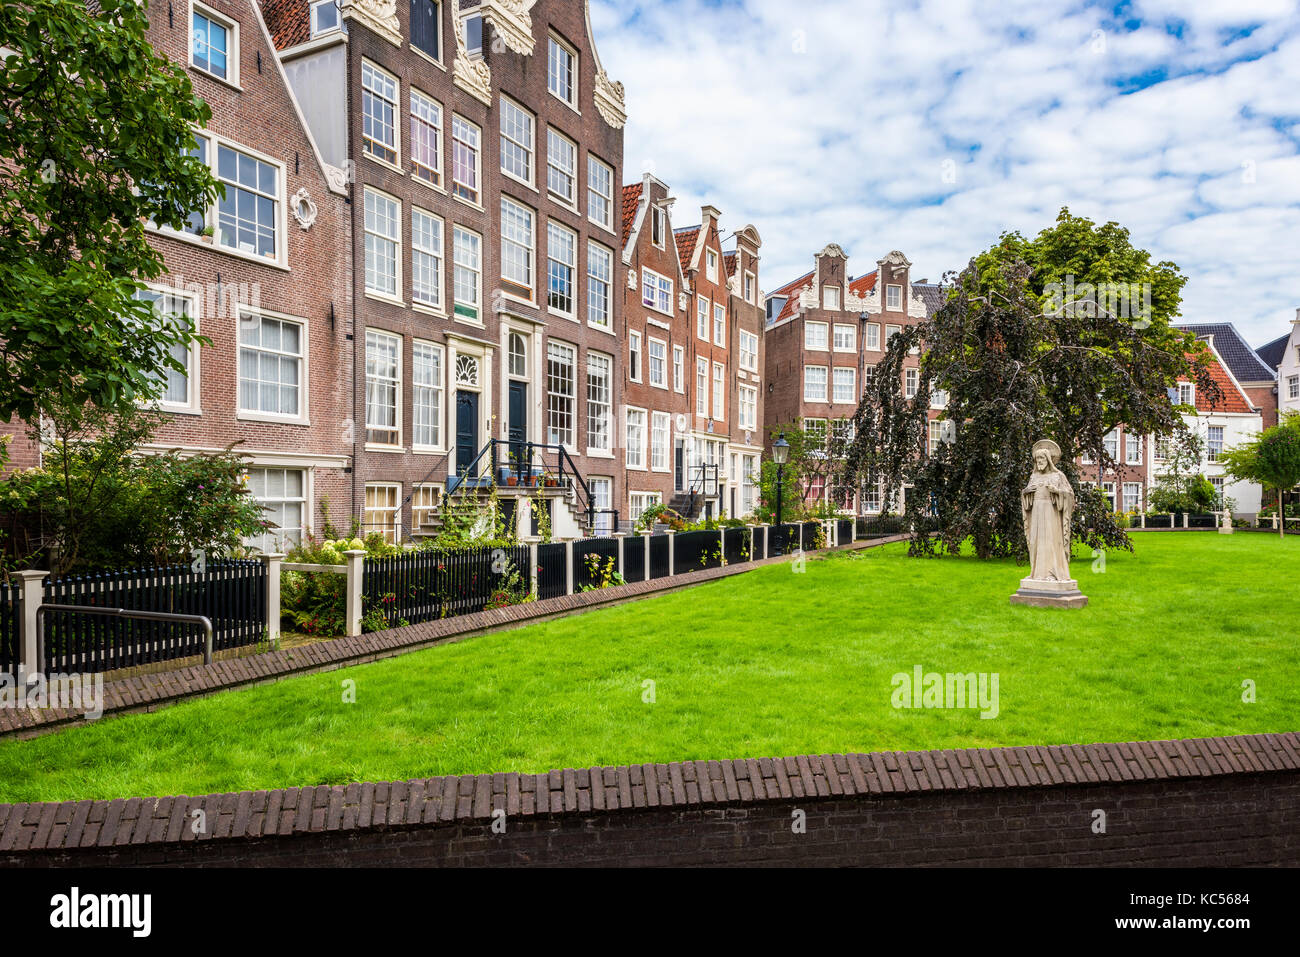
(863, 284)
(288, 20)
(789, 287)
(1233, 399)
(686, 239)
(631, 201)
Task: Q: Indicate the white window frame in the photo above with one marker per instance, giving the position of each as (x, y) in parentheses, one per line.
(1212, 453)
(558, 147)
(831, 298)
(396, 383)
(1133, 444)
(193, 379)
(562, 351)
(594, 167)
(838, 374)
(660, 381)
(679, 369)
(748, 408)
(553, 81)
(719, 324)
(394, 511)
(719, 392)
(555, 233)
(457, 303)
(526, 214)
(232, 43)
(911, 383)
(1137, 504)
(394, 104)
(873, 336)
(256, 415)
(655, 282)
(711, 265)
(394, 238)
(1188, 390)
(269, 541)
(702, 305)
(701, 386)
(635, 356)
(420, 171)
(470, 194)
(816, 336)
(661, 441)
(527, 145)
(635, 443)
(598, 304)
(600, 419)
(845, 337)
(438, 388)
(751, 288)
(419, 250)
(893, 298)
(658, 227)
(748, 351)
(811, 375)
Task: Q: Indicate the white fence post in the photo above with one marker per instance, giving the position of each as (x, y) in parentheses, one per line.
(32, 594)
(751, 541)
(534, 570)
(722, 546)
(272, 563)
(1186, 524)
(767, 539)
(356, 573)
(568, 566)
(672, 551)
(621, 538)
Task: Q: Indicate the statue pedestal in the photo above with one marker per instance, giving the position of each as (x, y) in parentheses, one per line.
(1049, 594)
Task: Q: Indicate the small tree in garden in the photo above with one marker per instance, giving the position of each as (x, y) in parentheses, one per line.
(96, 502)
(1180, 486)
(815, 460)
(1272, 460)
(1026, 348)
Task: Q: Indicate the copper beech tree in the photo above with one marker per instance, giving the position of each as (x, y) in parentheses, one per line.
(1066, 337)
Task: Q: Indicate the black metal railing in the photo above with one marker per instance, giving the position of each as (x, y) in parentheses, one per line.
(1160, 521)
(694, 551)
(634, 565)
(1202, 521)
(659, 556)
(735, 545)
(427, 585)
(10, 610)
(552, 579)
(231, 594)
(844, 528)
(530, 465)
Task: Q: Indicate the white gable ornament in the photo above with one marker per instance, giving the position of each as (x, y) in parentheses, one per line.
(379, 16)
(513, 22)
(609, 101)
(471, 73)
(304, 210)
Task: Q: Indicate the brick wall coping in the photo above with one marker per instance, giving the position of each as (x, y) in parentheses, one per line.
(153, 691)
(472, 799)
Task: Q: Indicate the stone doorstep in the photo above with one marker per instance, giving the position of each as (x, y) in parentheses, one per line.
(153, 691)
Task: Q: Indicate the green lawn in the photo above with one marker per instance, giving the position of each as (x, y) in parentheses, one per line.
(768, 663)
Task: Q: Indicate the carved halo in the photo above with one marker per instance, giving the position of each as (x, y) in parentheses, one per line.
(1051, 448)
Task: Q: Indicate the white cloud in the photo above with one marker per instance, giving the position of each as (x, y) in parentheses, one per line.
(833, 121)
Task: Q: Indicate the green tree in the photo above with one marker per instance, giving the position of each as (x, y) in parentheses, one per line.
(1272, 460)
(815, 454)
(1065, 336)
(96, 138)
(95, 502)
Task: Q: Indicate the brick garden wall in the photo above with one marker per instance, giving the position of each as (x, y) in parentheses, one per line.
(1207, 802)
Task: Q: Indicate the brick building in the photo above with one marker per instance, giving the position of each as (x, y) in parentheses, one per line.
(263, 274)
(484, 144)
(824, 335)
(1258, 380)
(1221, 426)
(693, 353)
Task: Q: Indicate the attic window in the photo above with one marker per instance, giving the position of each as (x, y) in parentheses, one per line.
(1186, 393)
(657, 226)
(324, 17)
(474, 35)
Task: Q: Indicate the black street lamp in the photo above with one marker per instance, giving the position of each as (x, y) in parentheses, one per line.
(780, 455)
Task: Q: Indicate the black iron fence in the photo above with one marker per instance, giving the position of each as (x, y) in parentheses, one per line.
(1160, 521)
(426, 585)
(594, 562)
(9, 612)
(231, 594)
(552, 581)
(736, 545)
(880, 526)
(660, 556)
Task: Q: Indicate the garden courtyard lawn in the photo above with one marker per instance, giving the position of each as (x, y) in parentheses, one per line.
(765, 664)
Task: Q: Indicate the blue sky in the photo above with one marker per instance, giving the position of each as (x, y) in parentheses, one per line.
(933, 126)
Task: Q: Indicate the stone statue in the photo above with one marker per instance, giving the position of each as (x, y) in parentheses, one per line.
(1047, 503)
